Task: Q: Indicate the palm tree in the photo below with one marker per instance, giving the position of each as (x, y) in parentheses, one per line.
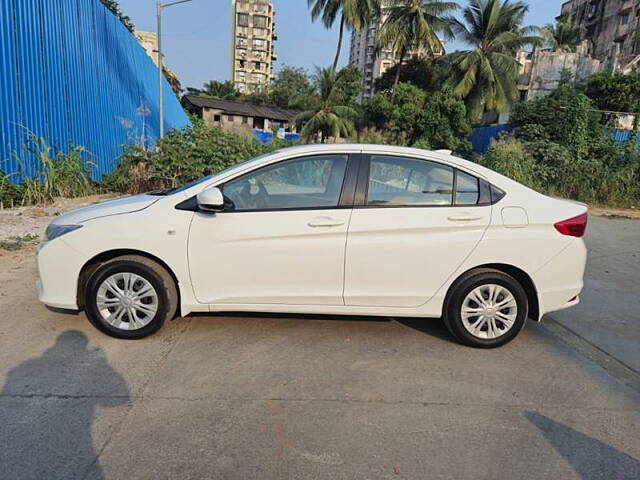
(562, 37)
(328, 118)
(486, 77)
(215, 89)
(414, 24)
(353, 13)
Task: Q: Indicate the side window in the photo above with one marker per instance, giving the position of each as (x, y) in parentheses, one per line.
(467, 191)
(309, 182)
(400, 181)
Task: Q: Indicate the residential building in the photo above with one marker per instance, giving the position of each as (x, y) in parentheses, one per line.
(238, 116)
(252, 43)
(362, 54)
(542, 71)
(148, 41)
(612, 27)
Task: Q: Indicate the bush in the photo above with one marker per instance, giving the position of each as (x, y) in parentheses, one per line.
(551, 168)
(183, 156)
(57, 174)
(410, 115)
(509, 157)
(10, 193)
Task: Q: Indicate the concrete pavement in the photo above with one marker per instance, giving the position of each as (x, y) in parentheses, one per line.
(290, 397)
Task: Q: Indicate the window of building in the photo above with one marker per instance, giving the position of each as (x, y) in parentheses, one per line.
(243, 19)
(308, 182)
(259, 43)
(401, 181)
(216, 118)
(245, 119)
(257, 65)
(260, 21)
(259, 32)
(624, 19)
(230, 118)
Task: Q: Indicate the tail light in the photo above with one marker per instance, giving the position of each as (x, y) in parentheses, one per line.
(574, 227)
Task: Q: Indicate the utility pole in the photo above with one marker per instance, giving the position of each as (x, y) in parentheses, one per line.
(159, 7)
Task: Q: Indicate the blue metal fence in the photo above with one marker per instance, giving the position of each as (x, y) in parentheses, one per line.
(70, 72)
(482, 137)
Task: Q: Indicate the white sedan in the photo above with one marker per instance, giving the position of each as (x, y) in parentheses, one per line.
(325, 229)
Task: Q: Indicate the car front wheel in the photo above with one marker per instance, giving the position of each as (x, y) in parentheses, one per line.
(486, 309)
(130, 297)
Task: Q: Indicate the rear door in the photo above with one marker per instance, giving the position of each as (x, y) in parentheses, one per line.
(414, 222)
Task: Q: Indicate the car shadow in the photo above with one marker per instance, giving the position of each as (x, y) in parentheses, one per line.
(590, 458)
(48, 409)
(433, 327)
(300, 316)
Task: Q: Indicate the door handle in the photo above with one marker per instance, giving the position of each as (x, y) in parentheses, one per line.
(464, 218)
(325, 222)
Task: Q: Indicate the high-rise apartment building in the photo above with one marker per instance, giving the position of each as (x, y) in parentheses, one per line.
(362, 54)
(611, 26)
(253, 37)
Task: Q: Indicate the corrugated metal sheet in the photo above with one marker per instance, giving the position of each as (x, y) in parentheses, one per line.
(72, 73)
(482, 137)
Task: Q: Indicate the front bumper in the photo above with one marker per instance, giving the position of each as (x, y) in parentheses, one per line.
(59, 267)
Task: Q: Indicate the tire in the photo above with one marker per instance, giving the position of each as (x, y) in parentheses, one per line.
(150, 310)
(502, 323)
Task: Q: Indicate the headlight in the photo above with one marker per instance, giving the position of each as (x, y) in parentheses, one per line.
(55, 231)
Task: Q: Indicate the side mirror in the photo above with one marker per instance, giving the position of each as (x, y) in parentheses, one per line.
(210, 200)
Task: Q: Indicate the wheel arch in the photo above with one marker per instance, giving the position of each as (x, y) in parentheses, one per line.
(94, 263)
(522, 277)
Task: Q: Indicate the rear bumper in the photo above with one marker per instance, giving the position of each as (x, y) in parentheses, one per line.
(561, 280)
(59, 267)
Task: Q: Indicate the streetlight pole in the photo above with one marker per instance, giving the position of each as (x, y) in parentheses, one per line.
(159, 7)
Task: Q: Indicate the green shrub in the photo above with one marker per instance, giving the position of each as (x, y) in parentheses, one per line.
(509, 157)
(57, 173)
(10, 193)
(552, 169)
(183, 156)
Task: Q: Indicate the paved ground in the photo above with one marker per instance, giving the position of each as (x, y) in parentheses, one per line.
(232, 397)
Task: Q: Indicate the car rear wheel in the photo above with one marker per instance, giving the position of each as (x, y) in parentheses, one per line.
(130, 297)
(486, 309)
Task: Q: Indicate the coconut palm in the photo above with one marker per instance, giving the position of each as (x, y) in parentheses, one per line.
(328, 118)
(414, 25)
(486, 76)
(563, 36)
(215, 89)
(353, 13)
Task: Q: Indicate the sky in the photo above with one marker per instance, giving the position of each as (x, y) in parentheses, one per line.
(197, 35)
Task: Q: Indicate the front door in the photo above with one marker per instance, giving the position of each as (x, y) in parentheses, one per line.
(419, 220)
(280, 240)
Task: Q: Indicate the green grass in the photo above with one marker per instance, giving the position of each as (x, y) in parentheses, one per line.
(19, 242)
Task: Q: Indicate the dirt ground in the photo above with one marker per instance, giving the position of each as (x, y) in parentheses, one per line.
(22, 221)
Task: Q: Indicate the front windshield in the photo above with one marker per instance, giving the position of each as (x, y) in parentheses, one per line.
(171, 191)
